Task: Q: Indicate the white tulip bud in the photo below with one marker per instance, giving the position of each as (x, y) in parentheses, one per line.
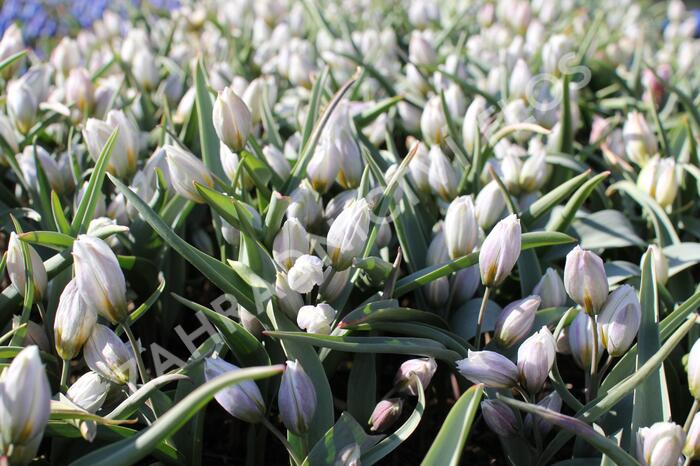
(460, 227)
(65, 56)
(25, 404)
(515, 321)
(17, 271)
(551, 402)
(620, 319)
(145, 69)
(323, 167)
(423, 368)
(306, 273)
(22, 105)
(660, 263)
(288, 300)
(231, 165)
(640, 142)
(490, 368)
(296, 398)
(10, 44)
(410, 116)
(275, 158)
(694, 370)
(553, 51)
(433, 124)
(419, 167)
(89, 392)
(519, 79)
(80, 91)
(185, 171)
(511, 170)
(232, 119)
(536, 356)
(99, 278)
(441, 175)
(110, 357)
(473, 123)
(73, 322)
(534, 172)
(500, 251)
(420, 50)
(660, 445)
(585, 280)
(550, 289)
(490, 204)
(347, 235)
(51, 168)
(291, 242)
(659, 180)
(580, 335)
(316, 319)
(242, 400)
(122, 162)
(306, 205)
(8, 133)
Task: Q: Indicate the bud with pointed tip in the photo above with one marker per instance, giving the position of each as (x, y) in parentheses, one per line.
(490, 368)
(419, 167)
(288, 300)
(461, 229)
(99, 278)
(660, 445)
(232, 119)
(640, 142)
(10, 44)
(296, 398)
(185, 171)
(465, 284)
(291, 242)
(420, 50)
(73, 322)
(25, 405)
(316, 319)
(80, 91)
(276, 160)
(585, 279)
(660, 264)
(620, 319)
(423, 368)
(515, 321)
(536, 356)
(242, 400)
(472, 125)
(306, 204)
(442, 176)
(550, 289)
(17, 271)
(106, 354)
(89, 391)
(323, 167)
(551, 402)
(144, 69)
(534, 172)
(433, 124)
(490, 204)
(347, 235)
(500, 251)
(22, 105)
(500, 418)
(659, 180)
(580, 335)
(65, 56)
(306, 273)
(385, 414)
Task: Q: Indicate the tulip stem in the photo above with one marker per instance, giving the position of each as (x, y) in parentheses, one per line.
(691, 415)
(65, 373)
(592, 389)
(480, 319)
(137, 353)
(282, 439)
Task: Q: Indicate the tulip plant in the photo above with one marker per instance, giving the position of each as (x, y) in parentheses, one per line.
(350, 232)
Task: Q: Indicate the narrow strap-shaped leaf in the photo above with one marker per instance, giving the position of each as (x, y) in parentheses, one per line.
(566, 216)
(447, 447)
(59, 217)
(129, 406)
(209, 141)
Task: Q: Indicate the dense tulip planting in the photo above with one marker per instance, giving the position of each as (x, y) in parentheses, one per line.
(349, 232)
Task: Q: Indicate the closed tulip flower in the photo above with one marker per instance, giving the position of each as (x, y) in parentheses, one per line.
(442, 176)
(550, 289)
(423, 368)
(242, 400)
(17, 271)
(323, 167)
(89, 391)
(49, 166)
(185, 171)
(516, 320)
(122, 162)
(99, 278)
(620, 320)
(489, 368)
(65, 56)
(433, 124)
(511, 169)
(296, 398)
(660, 445)
(692, 440)
(473, 126)
(110, 357)
(640, 142)
(461, 228)
(660, 263)
(534, 172)
(347, 235)
(580, 335)
(306, 205)
(22, 105)
(144, 69)
(25, 404)
(551, 402)
(385, 414)
(292, 241)
(490, 205)
(80, 91)
(500, 418)
(289, 301)
(659, 180)
(585, 280)
(419, 168)
(694, 370)
(10, 44)
(232, 119)
(316, 319)
(276, 160)
(536, 356)
(500, 251)
(73, 322)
